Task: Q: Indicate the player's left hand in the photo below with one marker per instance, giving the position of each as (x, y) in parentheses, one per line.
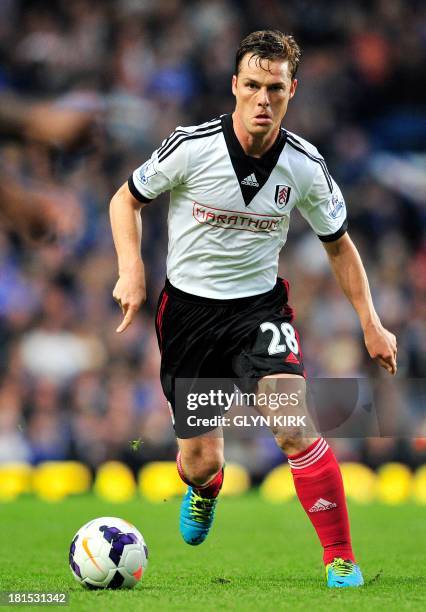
(381, 346)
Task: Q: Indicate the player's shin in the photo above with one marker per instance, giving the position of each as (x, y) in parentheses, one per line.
(319, 486)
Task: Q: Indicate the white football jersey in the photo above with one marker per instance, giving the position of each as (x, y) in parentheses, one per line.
(229, 213)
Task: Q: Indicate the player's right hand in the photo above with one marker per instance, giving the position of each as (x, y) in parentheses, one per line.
(130, 293)
(382, 346)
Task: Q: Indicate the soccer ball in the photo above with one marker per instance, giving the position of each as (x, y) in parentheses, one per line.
(108, 553)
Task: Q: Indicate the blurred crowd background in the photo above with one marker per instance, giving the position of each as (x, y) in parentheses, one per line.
(88, 88)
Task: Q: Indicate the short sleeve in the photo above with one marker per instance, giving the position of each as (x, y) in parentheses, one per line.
(162, 172)
(324, 206)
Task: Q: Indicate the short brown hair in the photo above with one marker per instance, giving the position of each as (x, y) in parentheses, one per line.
(271, 45)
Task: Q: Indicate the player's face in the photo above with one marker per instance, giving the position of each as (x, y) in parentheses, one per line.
(263, 89)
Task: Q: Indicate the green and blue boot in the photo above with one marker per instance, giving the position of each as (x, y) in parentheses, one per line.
(341, 574)
(196, 516)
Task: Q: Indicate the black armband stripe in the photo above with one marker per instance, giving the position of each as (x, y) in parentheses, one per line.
(332, 237)
(135, 193)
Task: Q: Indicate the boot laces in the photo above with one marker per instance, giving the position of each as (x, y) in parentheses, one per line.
(342, 568)
(201, 507)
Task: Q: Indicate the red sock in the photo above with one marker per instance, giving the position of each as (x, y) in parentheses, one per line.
(210, 490)
(319, 487)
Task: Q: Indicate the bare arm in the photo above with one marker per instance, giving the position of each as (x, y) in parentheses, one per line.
(126, 224)
(350, 273)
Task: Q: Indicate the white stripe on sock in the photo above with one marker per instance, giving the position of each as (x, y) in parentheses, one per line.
(319, 453)
(318, 442)
(319, 445)
(312, 461)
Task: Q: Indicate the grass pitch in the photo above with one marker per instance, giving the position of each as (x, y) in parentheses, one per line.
(258, 557)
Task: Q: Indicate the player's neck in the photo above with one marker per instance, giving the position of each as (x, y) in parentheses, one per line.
(255, 146)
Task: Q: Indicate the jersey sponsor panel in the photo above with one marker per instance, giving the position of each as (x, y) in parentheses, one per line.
(229, 219)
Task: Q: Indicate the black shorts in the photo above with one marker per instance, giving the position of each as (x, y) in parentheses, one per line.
(237, 339)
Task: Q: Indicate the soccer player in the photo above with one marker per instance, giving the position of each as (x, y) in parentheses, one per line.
(233, 182)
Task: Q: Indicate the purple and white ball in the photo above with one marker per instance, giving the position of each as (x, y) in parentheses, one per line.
(108, 553)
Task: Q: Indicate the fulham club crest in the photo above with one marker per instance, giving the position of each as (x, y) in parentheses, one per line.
(282, 195)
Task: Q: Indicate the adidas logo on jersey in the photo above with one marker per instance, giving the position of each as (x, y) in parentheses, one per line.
(322, 504)
(250, 180)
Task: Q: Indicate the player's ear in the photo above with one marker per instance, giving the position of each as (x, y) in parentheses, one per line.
(293, 87)
(234, 84)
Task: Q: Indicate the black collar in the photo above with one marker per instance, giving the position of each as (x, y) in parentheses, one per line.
(235, 149)
(251, 172)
